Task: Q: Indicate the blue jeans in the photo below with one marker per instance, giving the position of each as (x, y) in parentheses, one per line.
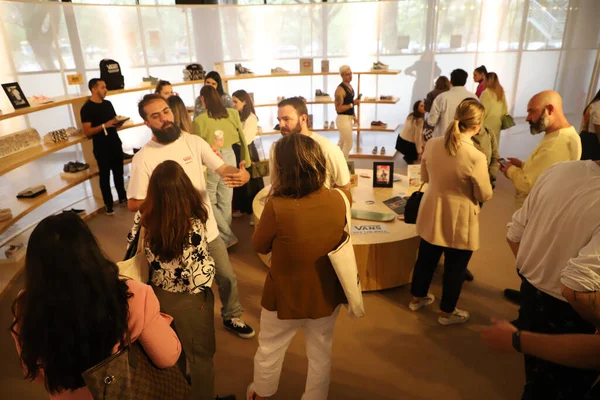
(226, 280)
(221, 197)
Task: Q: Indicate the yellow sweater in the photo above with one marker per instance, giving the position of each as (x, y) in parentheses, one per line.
(561, 145)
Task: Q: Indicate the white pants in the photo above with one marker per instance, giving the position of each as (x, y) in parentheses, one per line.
(344, 124)
(273, 340)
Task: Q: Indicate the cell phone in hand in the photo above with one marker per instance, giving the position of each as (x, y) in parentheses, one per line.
(359, 96)
(502, 162)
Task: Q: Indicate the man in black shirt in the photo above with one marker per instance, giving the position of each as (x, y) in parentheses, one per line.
(99, 122)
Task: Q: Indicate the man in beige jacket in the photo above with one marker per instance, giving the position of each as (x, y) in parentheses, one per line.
(560, 143)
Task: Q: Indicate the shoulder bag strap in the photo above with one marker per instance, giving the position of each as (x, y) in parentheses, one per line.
(348, 211)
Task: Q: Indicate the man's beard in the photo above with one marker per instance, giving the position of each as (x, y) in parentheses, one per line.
(168, 133)
(541, 125)
(288, 131)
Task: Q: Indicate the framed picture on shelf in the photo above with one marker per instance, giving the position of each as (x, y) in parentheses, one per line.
(15, 95)
(383, 174)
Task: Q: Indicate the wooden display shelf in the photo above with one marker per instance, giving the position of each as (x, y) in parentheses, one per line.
(58, 101)
(393, 101)
(16, 160)
(336, 130)
(141, 88)
(54, 186)
(294, 74)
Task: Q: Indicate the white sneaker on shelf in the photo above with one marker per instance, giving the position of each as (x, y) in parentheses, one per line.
(457, 317)
(422, 303)
(332, 125)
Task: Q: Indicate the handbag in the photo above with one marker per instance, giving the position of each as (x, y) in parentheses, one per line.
(344, 264)
(411, 211)
(259, 169)
(136, 265)
(507, 122)
(129, 374)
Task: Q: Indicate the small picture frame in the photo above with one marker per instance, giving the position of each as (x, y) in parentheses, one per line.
(351, 167)
(15, 95)
(383, 174)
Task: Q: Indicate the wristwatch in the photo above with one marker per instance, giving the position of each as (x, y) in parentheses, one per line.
(516, 341)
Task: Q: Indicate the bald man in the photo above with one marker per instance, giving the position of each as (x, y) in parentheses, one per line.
(560, 143)
(344, 106)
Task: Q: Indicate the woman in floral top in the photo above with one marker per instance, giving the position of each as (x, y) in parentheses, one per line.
(173, 217)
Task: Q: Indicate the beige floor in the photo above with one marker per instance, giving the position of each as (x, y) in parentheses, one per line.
(392, 353)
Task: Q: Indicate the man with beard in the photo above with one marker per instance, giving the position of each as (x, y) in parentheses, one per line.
(169, 142)
(98, 118)
(292, 115)
(560, 143)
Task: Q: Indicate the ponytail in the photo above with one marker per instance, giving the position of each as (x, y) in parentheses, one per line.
(452, 138)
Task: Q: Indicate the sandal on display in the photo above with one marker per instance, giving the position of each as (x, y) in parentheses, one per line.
(374, 150)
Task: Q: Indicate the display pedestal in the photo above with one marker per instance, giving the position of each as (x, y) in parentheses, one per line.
(385, 260)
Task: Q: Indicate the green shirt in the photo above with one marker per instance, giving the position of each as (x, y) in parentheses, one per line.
(205, 127)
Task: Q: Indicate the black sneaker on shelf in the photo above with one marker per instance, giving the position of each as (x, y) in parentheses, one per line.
(239, 327)
(108, 211)
(75, 210)
(127, 156)
(513, 295)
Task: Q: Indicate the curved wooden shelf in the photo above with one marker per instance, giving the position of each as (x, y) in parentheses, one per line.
(295, 74)
(393, 101)
(16, 160)
(54, 186)
(336, 130)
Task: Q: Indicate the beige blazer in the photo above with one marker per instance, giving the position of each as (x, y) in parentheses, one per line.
(449, 211)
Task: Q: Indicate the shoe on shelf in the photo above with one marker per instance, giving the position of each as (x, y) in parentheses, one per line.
(457, 317)
(241, 70)
(332, 125)
(75, 210)
(513, 295)
(237, 214)
(153, 81)
(127, 156)
(277, 128)
(386, 97)
(278, 70)
(320, 93)
(374, 150)
(239, 327)
(429, 299)
(73, 167)
(382, 151)
(325, 125)
(379, 66)
(108, 211)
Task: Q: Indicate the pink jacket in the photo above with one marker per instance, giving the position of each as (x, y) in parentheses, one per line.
(146, 324)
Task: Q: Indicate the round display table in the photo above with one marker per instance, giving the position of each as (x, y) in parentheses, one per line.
(385, 260)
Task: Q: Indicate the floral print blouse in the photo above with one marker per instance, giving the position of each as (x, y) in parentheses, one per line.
(193, 272)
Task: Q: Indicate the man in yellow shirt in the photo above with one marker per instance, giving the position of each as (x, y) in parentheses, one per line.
(560, 143)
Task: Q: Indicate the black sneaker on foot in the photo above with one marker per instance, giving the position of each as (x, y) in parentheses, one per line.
(122, 201)
(513, 295)
(238, 326)
(108, 211)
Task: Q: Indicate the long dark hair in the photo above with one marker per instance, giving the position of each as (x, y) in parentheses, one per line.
(217, 78)
(74, 308)
(595, 99)
(248, 109)
(160, 85)
(299, 167)
(416, 114)
(214, 106)
(171, 203)
(180, 113)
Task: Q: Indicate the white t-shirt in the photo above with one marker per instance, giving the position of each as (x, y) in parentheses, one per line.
(250, 126)
(594, 117)
(191, 152)
(337, 167)
(558, 229)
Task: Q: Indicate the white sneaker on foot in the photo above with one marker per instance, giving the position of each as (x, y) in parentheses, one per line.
(457, 317)
(422, 303)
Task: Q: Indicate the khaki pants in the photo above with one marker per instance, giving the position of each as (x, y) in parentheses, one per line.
(344, 124)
